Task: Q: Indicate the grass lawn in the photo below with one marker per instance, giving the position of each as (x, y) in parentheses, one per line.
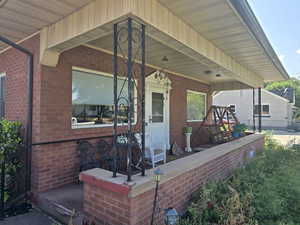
(265, 192)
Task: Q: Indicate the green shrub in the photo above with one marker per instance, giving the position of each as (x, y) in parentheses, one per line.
(11, 152)
(10, 137)
(265, 192)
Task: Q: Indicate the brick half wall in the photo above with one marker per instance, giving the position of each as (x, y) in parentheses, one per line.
(112, 201)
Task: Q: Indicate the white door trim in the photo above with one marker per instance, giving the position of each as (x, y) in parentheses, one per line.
(154, 84)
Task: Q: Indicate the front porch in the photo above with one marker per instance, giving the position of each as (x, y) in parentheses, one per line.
(103, 199)
(172, 91)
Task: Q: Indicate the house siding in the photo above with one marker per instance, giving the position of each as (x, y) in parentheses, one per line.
(280, 110)
(54, 165)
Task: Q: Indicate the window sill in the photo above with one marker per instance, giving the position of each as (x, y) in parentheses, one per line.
(263, 116)
(86, 126)
(192, 121)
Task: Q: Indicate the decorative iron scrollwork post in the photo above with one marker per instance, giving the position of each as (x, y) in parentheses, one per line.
(129, 41)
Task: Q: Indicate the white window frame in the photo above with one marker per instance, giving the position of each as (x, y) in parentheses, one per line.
(262, 104)
(79, 126)
(205, 106)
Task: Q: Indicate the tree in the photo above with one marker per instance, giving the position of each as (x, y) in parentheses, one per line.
(291, 83)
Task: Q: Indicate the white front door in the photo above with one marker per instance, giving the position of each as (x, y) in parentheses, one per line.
(157, 116)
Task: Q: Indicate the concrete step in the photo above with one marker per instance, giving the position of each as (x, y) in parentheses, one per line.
(62, 203)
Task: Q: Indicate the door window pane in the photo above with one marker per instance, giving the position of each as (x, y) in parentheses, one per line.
(157, 107)
(196, 106)
(93, 101)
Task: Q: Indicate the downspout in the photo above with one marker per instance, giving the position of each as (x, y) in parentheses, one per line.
(28, 138)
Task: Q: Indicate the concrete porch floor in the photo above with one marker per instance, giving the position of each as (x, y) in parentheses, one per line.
(60, 203)
(34, 217)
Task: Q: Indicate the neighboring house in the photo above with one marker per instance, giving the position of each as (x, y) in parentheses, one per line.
(210, 46)
(277, 111)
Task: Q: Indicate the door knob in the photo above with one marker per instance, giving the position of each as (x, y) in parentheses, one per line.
(150, 119)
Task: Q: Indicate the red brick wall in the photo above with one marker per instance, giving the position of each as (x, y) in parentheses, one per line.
(56, 165)
(178, 106)
(56, 96)
(101, 205)
(14, 64)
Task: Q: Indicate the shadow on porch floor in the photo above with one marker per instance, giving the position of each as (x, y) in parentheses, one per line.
(60, 202)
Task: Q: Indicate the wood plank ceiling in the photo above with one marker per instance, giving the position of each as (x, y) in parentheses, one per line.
(177, 61)
(21, 18)
(217, 22)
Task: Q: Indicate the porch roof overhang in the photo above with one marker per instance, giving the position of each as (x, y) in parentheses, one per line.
(191, 30)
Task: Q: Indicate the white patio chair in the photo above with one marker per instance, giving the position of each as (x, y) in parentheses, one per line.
(157, 153)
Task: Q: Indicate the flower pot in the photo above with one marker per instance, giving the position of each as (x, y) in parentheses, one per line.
(235, 134)
(188, 142)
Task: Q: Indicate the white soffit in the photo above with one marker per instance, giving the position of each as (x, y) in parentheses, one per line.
(218, 22)
(21, 18)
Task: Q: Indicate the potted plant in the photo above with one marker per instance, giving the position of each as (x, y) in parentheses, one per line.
(239, 130)
(188, 132)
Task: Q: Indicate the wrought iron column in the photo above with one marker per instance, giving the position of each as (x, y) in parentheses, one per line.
(254, 125)
(259, 109)
(130, 98)
(115, 92)
(143, 78)
(129, 41)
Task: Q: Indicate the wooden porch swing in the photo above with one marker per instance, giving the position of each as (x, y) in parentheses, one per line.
(218, 124)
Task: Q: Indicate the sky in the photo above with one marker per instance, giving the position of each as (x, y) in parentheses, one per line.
(280, 20)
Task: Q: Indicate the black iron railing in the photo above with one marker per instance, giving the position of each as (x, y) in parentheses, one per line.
(129, 41)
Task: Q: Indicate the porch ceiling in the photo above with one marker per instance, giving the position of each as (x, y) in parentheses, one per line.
(21, 18)
(177, 62)
(228, 24)
(194, 34)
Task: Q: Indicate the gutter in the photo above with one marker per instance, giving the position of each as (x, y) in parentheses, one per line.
(28, 138)
(244, 11)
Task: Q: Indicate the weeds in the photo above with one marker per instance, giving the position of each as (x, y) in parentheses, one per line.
(264, 192)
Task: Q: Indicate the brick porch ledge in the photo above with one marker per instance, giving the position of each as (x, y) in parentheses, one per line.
(131, 203)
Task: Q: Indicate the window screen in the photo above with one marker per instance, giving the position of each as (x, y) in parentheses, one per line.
(93, 101)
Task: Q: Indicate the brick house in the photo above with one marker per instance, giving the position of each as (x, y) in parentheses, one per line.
(73, 81)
